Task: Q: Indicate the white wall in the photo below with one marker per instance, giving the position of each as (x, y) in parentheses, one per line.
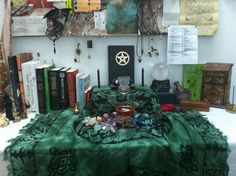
(2, 11)
(218, 48)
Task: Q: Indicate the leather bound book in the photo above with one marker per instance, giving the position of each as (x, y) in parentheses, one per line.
(41, 90)
(54, 88)
(15, 82)
(70, 75)
(64, 88)
(43, 87)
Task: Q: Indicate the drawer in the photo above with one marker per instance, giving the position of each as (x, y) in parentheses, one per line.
(214, 80)
(214, 94)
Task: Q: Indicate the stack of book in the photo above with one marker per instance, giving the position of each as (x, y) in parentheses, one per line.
(41, 87)
(16, 76)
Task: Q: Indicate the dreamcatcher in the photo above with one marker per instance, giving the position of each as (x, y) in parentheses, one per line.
(55, 24)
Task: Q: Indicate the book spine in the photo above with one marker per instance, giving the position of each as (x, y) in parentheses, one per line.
(81, 93)
(41, 90)
(64, 90)
(71, 89)
(47, 94)
(77, 87)
(83, 85)
(15, 82)
(30, 87)
(22, 93)
(88, 95)
(54, 89)
(21, 58)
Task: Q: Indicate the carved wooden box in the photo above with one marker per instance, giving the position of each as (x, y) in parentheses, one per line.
(216, 80)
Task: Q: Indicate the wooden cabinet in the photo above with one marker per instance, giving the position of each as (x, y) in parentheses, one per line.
(216, 80)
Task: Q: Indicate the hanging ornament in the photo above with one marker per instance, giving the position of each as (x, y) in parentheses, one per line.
(55, 28)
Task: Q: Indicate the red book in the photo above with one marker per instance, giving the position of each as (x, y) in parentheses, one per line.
(70, 75)
(87, 95)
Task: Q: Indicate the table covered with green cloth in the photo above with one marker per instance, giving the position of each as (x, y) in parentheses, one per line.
(60, 143)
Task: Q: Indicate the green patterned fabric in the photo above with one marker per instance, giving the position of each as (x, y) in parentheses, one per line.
(104, 99)
(59, 143)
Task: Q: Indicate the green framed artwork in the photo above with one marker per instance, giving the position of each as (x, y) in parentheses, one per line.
(192, 79)
(122, 17)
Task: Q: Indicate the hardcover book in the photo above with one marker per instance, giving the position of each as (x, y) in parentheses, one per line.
(192, 79)
(15, 82)
(54, 88)
(43, 87)
(64, 98)
(84, 82)
(70, 75)
(21, 58)
(87, 96)
(30, 85)
(77, 87)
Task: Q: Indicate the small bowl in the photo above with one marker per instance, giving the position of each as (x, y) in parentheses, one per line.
(125, 110)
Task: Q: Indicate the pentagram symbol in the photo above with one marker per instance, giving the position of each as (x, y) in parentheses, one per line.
(122, 58)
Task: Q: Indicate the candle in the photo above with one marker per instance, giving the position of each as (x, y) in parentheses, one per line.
(142, 76)
(98, 77)
(233, 96)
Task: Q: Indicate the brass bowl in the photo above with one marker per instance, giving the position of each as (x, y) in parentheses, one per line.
(125, 110)
(231, 108)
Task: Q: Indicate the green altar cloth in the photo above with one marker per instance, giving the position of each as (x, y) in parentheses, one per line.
(59, 143)
(104, 99)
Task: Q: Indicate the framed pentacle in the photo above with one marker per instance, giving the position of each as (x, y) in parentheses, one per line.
(120, 62)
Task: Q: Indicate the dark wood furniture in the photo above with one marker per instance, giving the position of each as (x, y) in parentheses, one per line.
(216, 80)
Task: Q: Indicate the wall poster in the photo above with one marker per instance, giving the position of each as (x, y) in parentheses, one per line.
(202, 13)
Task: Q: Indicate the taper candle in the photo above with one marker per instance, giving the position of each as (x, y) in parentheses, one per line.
(142, 76)
(233, 96)
(98, 77)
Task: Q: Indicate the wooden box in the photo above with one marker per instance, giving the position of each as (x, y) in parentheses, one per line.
(32, 25)
(216, 80)
(196, 105)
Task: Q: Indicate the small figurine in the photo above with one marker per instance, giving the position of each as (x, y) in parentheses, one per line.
(8, 106)
(181, 93)
(3, 120)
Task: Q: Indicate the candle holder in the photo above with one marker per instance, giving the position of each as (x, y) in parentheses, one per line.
(122, 83)
(125, 110)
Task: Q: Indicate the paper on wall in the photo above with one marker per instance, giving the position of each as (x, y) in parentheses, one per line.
(182, 45)
(100, 20)
(202, 13)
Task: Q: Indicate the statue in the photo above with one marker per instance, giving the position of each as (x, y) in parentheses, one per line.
(9, 105)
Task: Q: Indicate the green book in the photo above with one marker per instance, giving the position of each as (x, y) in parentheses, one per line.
(43, 87)
(192, 79)
(46, 83)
